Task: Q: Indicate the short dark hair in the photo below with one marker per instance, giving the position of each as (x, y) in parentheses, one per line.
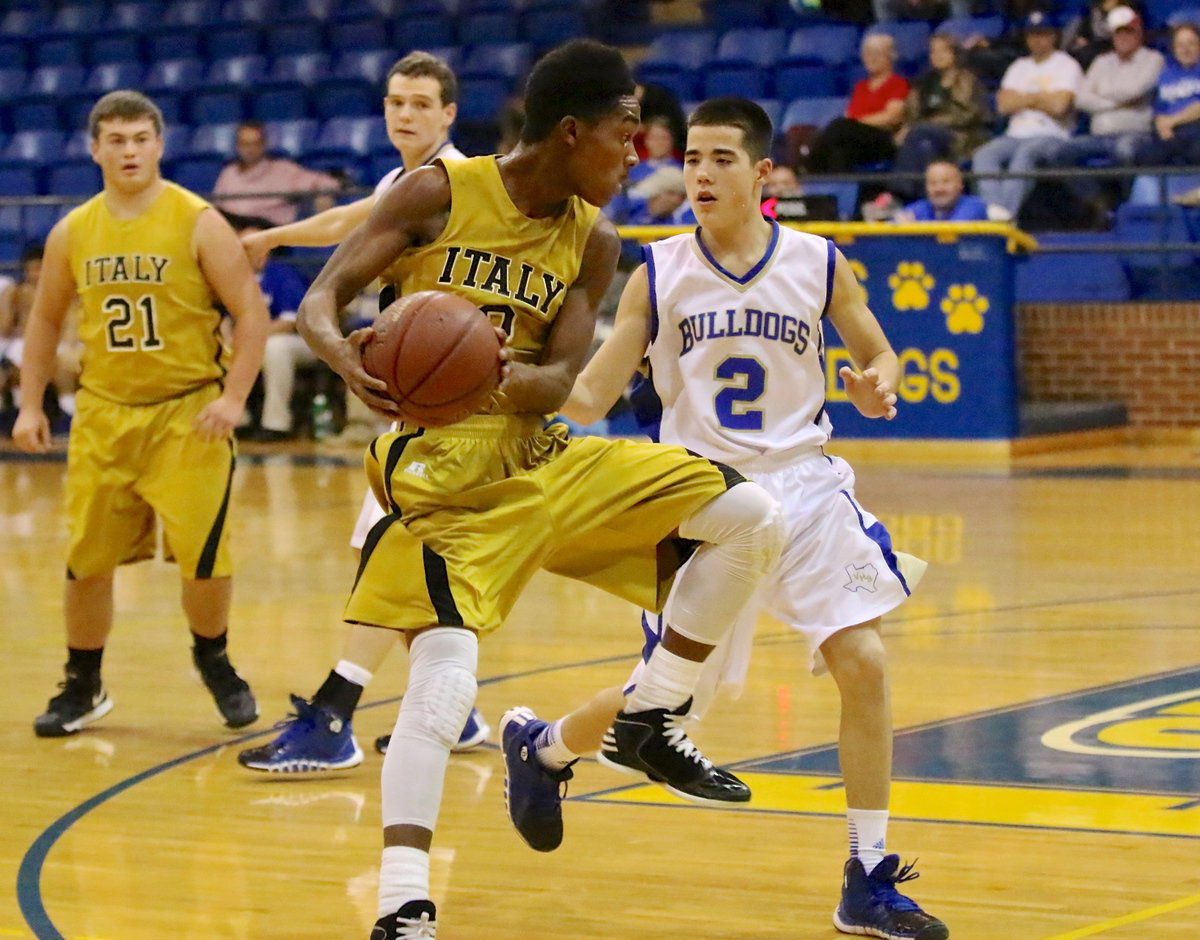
(581, 78)
(253, 126)
(421, 64)
(123, 105)
(741, 113)
(33, 251)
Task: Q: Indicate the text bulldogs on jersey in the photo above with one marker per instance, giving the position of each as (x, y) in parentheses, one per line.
(772, 326)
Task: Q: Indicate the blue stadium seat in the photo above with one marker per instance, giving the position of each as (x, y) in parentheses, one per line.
(295, 38)
(18, 179)
(368, 32)
(27, 23)
(34, 114)
(173, 42)
(170, 103)
(38, 220)
(12, 82)
(73, 112)
(55, 80)
(344, 138)
(74, 178)
(218, 106)
(378, 141)
(10, 219)
(114, 47)
(508, 60)
(279, 103)
(367, 64)
(113, 75)
(912, 38)
(344, 98)
(291, 137)
(235, 73)
(176, 141)
(132, 15)
(480, 100)
(79, 19)
(213, 140)
(753, 45)
(683, 48)
(797, 80)
(78, 144)
(774, 109)
(744, 80)
(1153, 274)
(14, 52)
(479, 6)
(199, 174)
(35, 147)
(58, 50)
(1096, 277)
(381, 165)
(173, 74)
(249, 11)
(990, 27)
(1148, 190)
(822, 43)
(451, 55)
(1186, 15)
(487, 26)
(192, 13)
(814, 111)
(305, 68)
(730, 14)
(229, 41)
(422, 30)
(548, 26)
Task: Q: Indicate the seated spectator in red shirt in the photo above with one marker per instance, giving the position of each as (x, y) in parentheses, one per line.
(254, 173)
(875, 113)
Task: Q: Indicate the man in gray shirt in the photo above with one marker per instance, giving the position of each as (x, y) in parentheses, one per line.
(1118, 93)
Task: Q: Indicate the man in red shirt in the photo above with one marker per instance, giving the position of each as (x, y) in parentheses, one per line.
(874, 114)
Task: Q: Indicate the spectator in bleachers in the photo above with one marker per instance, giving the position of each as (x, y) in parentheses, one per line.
(1090, 34)
(887, 11)
(1118, 92)
(283, 288)
(1038, 96)
(660, 199)
(659, 103)
(944, 199)
(946, 116)
(1176, 136)
(658, 144)
(875, 112)
(253, 173)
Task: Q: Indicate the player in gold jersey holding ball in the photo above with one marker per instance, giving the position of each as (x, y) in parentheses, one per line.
(159, 397)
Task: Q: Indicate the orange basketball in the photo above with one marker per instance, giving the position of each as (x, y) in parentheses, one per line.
(438, 354)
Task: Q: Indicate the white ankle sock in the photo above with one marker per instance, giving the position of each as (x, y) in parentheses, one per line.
(403, 877)
(352, 672)
(550, 750)
(666, 682)
(868, 836)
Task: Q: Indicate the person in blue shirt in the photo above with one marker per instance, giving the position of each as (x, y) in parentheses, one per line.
(945, 200)
(1177, 104)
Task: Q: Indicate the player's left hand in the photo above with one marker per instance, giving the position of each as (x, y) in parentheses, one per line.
(870, 394)
(218, 419)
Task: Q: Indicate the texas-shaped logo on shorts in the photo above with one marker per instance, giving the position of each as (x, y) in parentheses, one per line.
(861, 579)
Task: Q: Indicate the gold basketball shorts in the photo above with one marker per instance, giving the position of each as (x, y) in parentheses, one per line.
(127, 465)
(476, 508)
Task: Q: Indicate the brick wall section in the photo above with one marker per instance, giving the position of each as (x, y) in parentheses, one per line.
(1144, 355)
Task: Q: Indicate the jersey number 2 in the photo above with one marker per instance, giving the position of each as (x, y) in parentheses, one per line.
(746, 382)
(121, 311)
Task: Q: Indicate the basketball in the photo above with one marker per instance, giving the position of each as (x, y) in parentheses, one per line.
(438, 354)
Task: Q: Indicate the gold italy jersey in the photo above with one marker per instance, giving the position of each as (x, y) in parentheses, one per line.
(147, 322)
(515, 268)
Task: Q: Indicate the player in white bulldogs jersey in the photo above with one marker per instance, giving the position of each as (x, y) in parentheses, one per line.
(730, 318)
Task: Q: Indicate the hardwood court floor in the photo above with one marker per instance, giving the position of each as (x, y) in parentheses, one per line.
(1047, 695)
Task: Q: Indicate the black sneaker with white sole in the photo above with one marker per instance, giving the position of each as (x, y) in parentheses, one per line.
(416, 920)
(654, 744)
(80, 702)
(234, 699)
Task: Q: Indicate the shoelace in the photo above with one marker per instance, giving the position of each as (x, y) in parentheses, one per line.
(884, 888)
(71, 690)
(677, 737)
(422, 929)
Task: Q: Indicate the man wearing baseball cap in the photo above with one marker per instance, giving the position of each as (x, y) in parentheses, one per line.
(1118, 93)
(1037, 95)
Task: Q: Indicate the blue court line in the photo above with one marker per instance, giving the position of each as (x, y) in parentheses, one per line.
(29, 874)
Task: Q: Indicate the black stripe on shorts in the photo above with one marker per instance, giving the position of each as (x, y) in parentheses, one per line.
(437, 583)
(208, 557)
(395, 452)
(371, 541)
(732, 477)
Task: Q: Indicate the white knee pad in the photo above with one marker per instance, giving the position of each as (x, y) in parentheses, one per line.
(746, 521)
(441, 685)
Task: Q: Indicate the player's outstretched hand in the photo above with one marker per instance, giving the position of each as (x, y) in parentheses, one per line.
(870, 394)
(346, 361)
(218, 419)
(31, 432)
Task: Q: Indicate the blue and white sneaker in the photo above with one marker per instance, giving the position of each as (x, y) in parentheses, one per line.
(872, 907)
(533, 793)
(474, 733)
(313, 739)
